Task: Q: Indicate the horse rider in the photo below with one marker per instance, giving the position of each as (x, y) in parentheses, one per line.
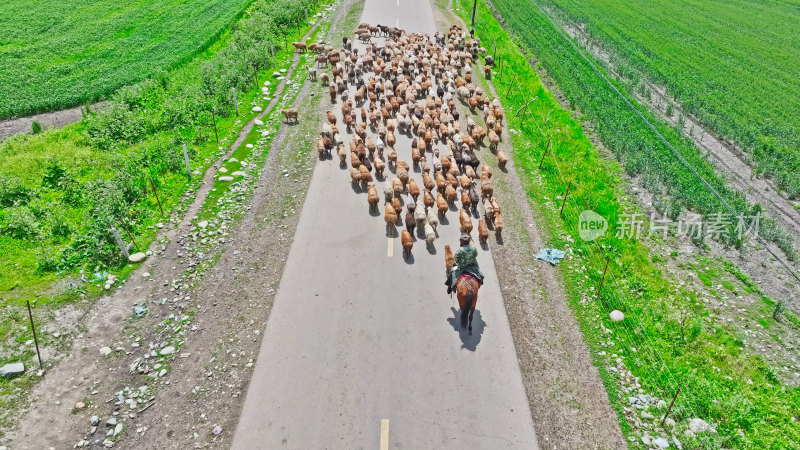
(466, 262)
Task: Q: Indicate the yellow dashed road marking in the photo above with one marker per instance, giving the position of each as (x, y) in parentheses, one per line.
(385, 434)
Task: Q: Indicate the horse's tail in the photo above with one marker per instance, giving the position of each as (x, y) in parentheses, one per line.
(469, 300)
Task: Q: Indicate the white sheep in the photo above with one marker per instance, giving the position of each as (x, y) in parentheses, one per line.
(430, 234)
(388, 192)
(433, 218)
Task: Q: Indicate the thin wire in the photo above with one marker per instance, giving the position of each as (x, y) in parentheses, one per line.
(661, 137)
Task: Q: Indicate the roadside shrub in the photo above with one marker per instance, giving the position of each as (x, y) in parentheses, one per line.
(21, 223)
(36, 127)
(13, 192)
(54, 174)
(118, 126)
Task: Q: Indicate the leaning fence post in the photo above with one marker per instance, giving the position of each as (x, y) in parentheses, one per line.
(214, 121)
(564, 201)
(546, 149)
(235, 101)
(272, 50)
(153, 185)
(122, 247)
(35, 339)
(186, 160)
(130, 235)
(670, 406)
(511, 86)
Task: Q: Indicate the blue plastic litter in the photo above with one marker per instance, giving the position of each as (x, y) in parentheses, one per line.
(551, 255)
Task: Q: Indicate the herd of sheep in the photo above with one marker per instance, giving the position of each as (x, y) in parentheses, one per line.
(409, 85)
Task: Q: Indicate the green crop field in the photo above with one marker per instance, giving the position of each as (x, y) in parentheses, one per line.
(63, 53)
(732, 64)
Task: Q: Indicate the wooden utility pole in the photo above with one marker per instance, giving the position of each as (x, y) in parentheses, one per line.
(35, 339)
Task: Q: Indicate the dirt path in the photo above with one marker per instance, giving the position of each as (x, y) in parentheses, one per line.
(54, 119)
(567, 399)
(96, 381)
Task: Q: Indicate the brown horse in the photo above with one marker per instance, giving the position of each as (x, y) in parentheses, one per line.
(466, 288)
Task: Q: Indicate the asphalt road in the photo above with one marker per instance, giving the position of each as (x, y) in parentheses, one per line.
(363, 348)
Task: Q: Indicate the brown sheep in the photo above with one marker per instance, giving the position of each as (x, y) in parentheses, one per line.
(450, 193)
(466, 203)
(390, 216)
(300, 46)
(498, 226)
(331, 117)
(413, 189)
(355, 162)
(355, 175)
(290, 114)
(379, 166)
(441, 204)
(486, 187)
(441, 182)
(407, 241)
(366, 176)
(494, 140)
(449, 259)
(372, 196)
(342, 155)
(495, 205)
(485, 169)
(397, 186)
(502, 159)
(452, 180)
(483, 231)
(415, 156)
(427, 199)
(391, 155)
(445, 163)
(466, 221)
(398, 207)
(427, 182)
(470, 172)
(402, 173)
(404, 165)
(332, 93)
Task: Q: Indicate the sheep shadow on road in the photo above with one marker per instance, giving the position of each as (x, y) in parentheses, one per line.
(478, 325)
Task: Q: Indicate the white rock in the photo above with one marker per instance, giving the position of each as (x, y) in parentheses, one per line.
(616, 315)
(267, 83)
(222, 170)
(276, 74)
(217, 430)
(660, 442)
(257, 109)
(11, 370)
(118, 429)
(203, 224)
(137, 257)
(669, 422)
(168, 350)
(239, 174)
(105, 351)
(258, 122)
(699, 426)
(283, 70)
(249, 145)
(225, 178)
(264, 133)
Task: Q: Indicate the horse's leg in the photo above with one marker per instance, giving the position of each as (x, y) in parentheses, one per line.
(471, 313)
(469, 305)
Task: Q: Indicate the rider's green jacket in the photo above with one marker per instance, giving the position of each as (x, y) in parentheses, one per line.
(466, 261)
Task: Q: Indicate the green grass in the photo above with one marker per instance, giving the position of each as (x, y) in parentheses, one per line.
(732, 64)
(65, 53)
(677, 341)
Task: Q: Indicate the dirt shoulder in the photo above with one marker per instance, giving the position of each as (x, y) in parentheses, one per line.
(567, 398)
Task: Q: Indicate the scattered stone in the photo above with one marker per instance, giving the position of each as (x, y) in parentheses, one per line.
(203, 224)
(647, 416)
(222, 170)
(249, 145)
(146, 275)
(118, 429)
(95, 421)
(267, 83)
(283, 70)
(238, 173)
(257, 109)
(660, 442)
(140, 310)
(258, 122)
(105, 351)
(616, 315)
(669, 422)
(217, 430)
(12, 370)
(646, 440)
(137, 257)
(168, 350)
(225, 178)
(698, 426)
(80, 405)
(112, 422)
